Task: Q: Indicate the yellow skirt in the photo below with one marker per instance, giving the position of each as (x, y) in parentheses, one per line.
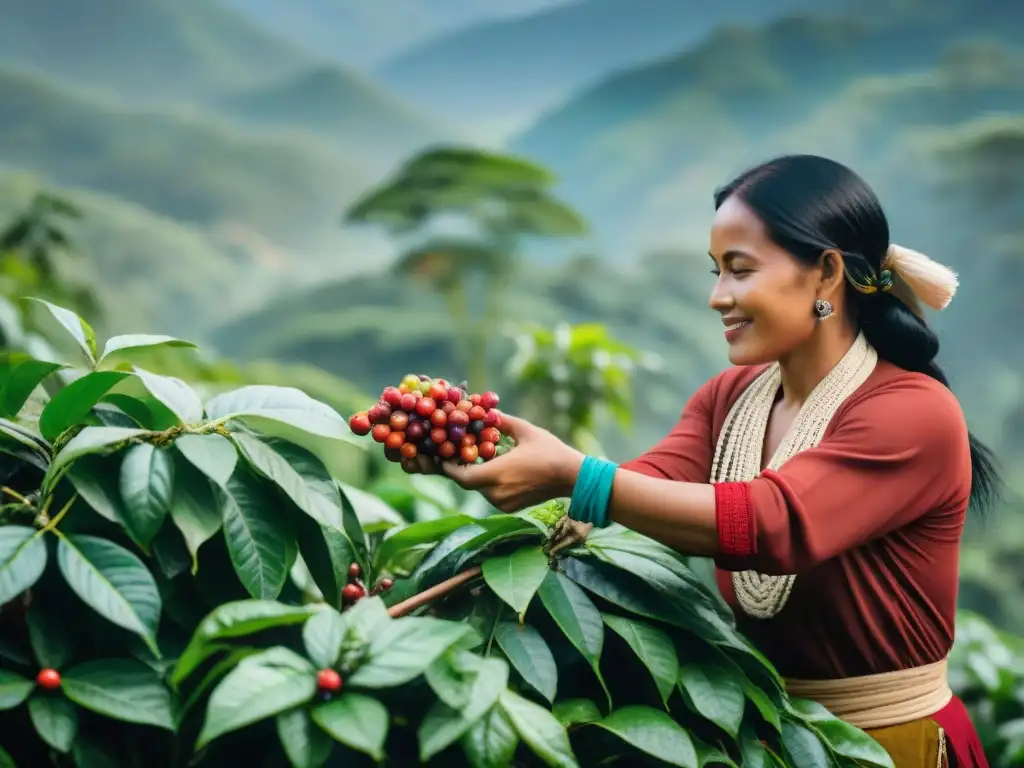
(917, 744)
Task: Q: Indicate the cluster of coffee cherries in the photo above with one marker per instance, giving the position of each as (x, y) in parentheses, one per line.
(355, 590)
(425, 416)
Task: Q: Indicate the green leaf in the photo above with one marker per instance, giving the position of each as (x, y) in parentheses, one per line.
(55, 719)
(261, 686)
(80, 331)
(655, 733)
(714, 688)
(147, 483)
(14, 689)
(491, 741)
(752, 751)
(654, 648)
(802, 747)
(268, 409)
(539, 729)
(89, 441)
(123, 689)
(322, 636)
(357, 721)
(51, 644)
(235, 619)
(530, 655)
(260, 541)
(96, 480)
(445, 724)
(177, 396)
(71, 405)
(213, 455)
(516, 577)
(577, 617)
(417, 533)
(297, 472)
(576, 712)
(849, 741)
(117, 347)
(194, 508)
(401, 650)
(371, 512)
(22, 560)
(304, 743)
(113, 582)
(22, 382)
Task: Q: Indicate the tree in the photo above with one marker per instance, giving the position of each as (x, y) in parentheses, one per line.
(184, 583)
(465, 214)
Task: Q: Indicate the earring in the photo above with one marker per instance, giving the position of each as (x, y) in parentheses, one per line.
(823, 309)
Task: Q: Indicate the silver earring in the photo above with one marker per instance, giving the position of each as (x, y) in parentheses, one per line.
(823, 309)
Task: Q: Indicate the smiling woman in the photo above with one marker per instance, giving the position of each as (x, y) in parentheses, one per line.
(828, 472)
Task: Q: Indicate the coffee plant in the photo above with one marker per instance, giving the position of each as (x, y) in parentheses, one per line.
(185, 584)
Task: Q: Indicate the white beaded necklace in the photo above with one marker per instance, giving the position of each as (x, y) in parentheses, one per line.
(741, 444)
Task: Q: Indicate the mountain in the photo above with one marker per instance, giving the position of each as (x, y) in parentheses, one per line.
(504, 71)
(641, 152)
(152, 50)
(341, 107)
(364, 34)
(181, 165)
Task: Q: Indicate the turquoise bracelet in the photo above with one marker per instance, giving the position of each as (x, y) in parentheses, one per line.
(593, 491)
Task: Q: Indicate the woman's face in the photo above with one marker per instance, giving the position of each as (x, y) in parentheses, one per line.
(764, 295)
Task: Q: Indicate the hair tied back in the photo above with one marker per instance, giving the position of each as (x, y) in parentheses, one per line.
(933, 283)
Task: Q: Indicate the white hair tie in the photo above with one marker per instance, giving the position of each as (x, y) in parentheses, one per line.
(933, 283)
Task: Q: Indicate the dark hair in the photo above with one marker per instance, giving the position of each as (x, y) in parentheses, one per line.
(810, 204)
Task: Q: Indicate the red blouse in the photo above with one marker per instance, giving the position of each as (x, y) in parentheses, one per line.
(870, 519)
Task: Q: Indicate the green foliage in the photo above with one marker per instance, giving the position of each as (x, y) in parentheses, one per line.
(157, 550)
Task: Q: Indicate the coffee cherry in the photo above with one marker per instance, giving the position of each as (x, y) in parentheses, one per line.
(468, 453)
(475, 399)
(48, 678)
(417, 394)
(351, 593)
(489, 435)
(448, 407)
(403, 389)
(425, 386)
(463, 405)
(381, 432)
(415, 431)
(391, 396)
(360, 423)
(386, 584)
(476, 427)
(489, 400)
(492, 419)
(447, 449)
(438, 393)
(328, 680)
(467, 440)
(399, 421)
(425, 407)
(395, 440)
(486, 450)
(393, 455)
(409, 451)
(455, 395)
(458, 419)
(439, 418)
(477, 413)
(439, 434)
(408, 403)
(428, 447)
(354, 570)
(410, 465)
(456, 433)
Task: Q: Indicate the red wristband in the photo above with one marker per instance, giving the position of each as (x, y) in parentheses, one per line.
(735, 519)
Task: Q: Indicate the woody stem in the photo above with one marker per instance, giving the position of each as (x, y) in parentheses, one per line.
(438, 590)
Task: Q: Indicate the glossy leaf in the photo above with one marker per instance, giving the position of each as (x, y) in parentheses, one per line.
(269, 408)
(260, 541)
(516, 577)
(530, 655)
(22, 560)
(305, 744)
(177, 396)
(491, 741)
(715, 689)
(370, 510)
(194, 510)
(55, 719)
(51, 644)
(22, 382)
(653, 732)
(577, 617)
(113, 582)
(78, 329)
(119, 348)
(357, 721)
(404, 648)
(213, 455)
(14, 689)
(322, 636)
(146, 485)
(419, 533)
(802, 747)
(72, 404)
(262, 685)
(297, 472)
(655, 650)
(576, 712)
(122, 689)
(89, 441)
(444, 724)
(539, 729)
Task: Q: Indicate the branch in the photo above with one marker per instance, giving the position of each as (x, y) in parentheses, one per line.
(439, 590)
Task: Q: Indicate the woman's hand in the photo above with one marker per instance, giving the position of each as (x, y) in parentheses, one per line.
(538, 468)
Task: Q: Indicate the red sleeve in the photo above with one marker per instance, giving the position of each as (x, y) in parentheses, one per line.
(685, 454)
(896, 453)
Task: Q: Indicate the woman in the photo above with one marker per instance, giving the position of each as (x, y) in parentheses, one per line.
(828, 472)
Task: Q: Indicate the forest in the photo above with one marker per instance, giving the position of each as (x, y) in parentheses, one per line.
(314, 199)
